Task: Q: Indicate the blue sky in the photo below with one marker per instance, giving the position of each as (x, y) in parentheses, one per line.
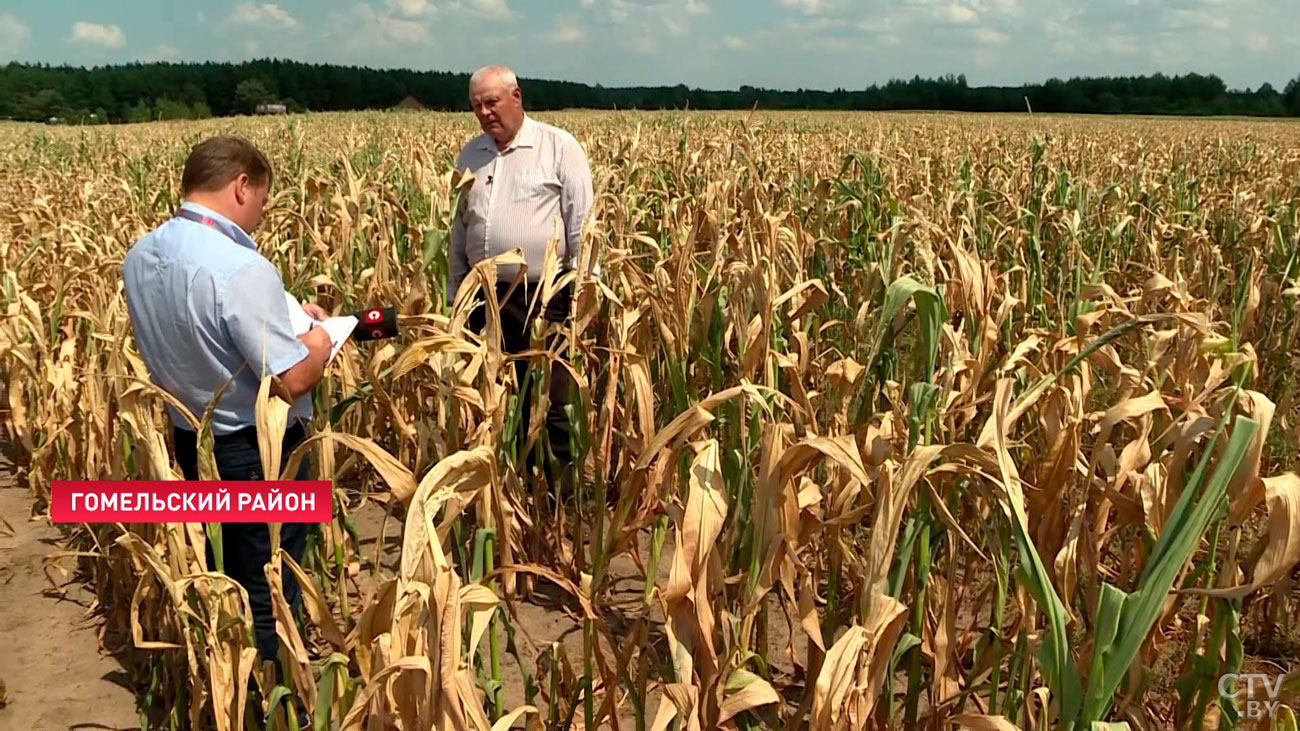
(711, 43)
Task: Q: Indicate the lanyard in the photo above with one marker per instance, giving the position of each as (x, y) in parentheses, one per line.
(205, 220)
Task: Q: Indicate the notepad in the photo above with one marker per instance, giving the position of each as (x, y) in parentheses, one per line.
(339, 329)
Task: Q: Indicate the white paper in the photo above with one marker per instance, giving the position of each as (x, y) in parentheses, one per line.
(339, 329)
(299, 320)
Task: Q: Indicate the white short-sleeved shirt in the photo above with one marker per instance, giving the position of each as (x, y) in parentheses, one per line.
(515, 199)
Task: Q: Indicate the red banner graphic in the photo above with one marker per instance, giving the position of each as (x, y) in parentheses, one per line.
(174, 501)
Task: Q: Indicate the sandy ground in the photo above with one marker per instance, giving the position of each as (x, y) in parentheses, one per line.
(55, 677)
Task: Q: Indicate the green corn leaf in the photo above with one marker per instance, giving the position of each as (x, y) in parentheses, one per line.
(922, 396)
(1109, 611)
(906, 642)
(740, 679)
(1054, 657)
(281, 693)
(335, 667)
(1177, 542)
(930, 311)
(324, 694)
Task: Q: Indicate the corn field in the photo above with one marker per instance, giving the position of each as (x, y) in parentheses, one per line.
(882, 422)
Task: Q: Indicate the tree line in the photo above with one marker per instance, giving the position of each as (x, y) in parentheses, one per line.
(138, 92)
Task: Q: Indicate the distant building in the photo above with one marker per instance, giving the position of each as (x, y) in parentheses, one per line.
(271, 109)
(410, 102)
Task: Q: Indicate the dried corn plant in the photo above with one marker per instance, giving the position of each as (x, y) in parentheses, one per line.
(892, 421)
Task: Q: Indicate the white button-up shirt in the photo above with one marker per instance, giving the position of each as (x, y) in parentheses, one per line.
(515, 198)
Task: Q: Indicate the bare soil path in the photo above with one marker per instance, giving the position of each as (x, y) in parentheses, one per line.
(54, 675)
(56, 678)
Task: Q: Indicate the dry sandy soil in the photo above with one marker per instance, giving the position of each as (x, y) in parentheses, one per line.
(55, 677)
(549, 616)
(58, 679)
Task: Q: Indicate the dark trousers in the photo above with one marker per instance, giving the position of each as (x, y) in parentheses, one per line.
(518, 313)
(246, 547)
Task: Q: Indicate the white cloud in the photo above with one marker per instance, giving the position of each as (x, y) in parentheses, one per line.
(1062, 36)
(1196, 19)
(13, 34)
(567, 30)
(1006, 7)
(399, 30)
(493, 7)
(163, 52)
(264, 14)
(617, 11)
(814, 25)
(644, 26)
(675, 27)
(108, 36)
(670, 13)
(1030, 40)
(954, 13)
(808, 7)
(848, 43)
(1121, 44)
(1171, 55)
(412, 8)
(489, 8)
(363, 29)
(874, 25)
(831, 44)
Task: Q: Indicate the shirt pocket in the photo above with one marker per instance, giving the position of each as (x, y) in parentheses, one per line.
(532, 184)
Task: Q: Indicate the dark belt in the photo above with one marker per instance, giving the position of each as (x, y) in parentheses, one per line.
(293, 433)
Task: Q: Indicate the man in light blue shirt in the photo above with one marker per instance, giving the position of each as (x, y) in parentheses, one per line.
(207, 309)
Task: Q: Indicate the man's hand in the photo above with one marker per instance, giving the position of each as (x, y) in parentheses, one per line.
(304, 376)
(317, 341)
(315, 312)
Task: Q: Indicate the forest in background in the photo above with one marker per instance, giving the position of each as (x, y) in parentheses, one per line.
(139, 92)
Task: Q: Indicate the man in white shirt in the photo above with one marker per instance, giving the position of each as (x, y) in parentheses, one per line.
(526, 175)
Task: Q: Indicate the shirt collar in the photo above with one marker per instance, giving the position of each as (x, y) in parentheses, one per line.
(225, 225)
(526, 137)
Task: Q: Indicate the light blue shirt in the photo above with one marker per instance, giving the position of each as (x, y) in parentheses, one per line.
(206, 307)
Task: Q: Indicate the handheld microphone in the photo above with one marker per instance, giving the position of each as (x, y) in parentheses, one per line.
(377, 323)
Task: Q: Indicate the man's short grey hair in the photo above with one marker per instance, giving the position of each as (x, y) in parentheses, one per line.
(507, 76)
